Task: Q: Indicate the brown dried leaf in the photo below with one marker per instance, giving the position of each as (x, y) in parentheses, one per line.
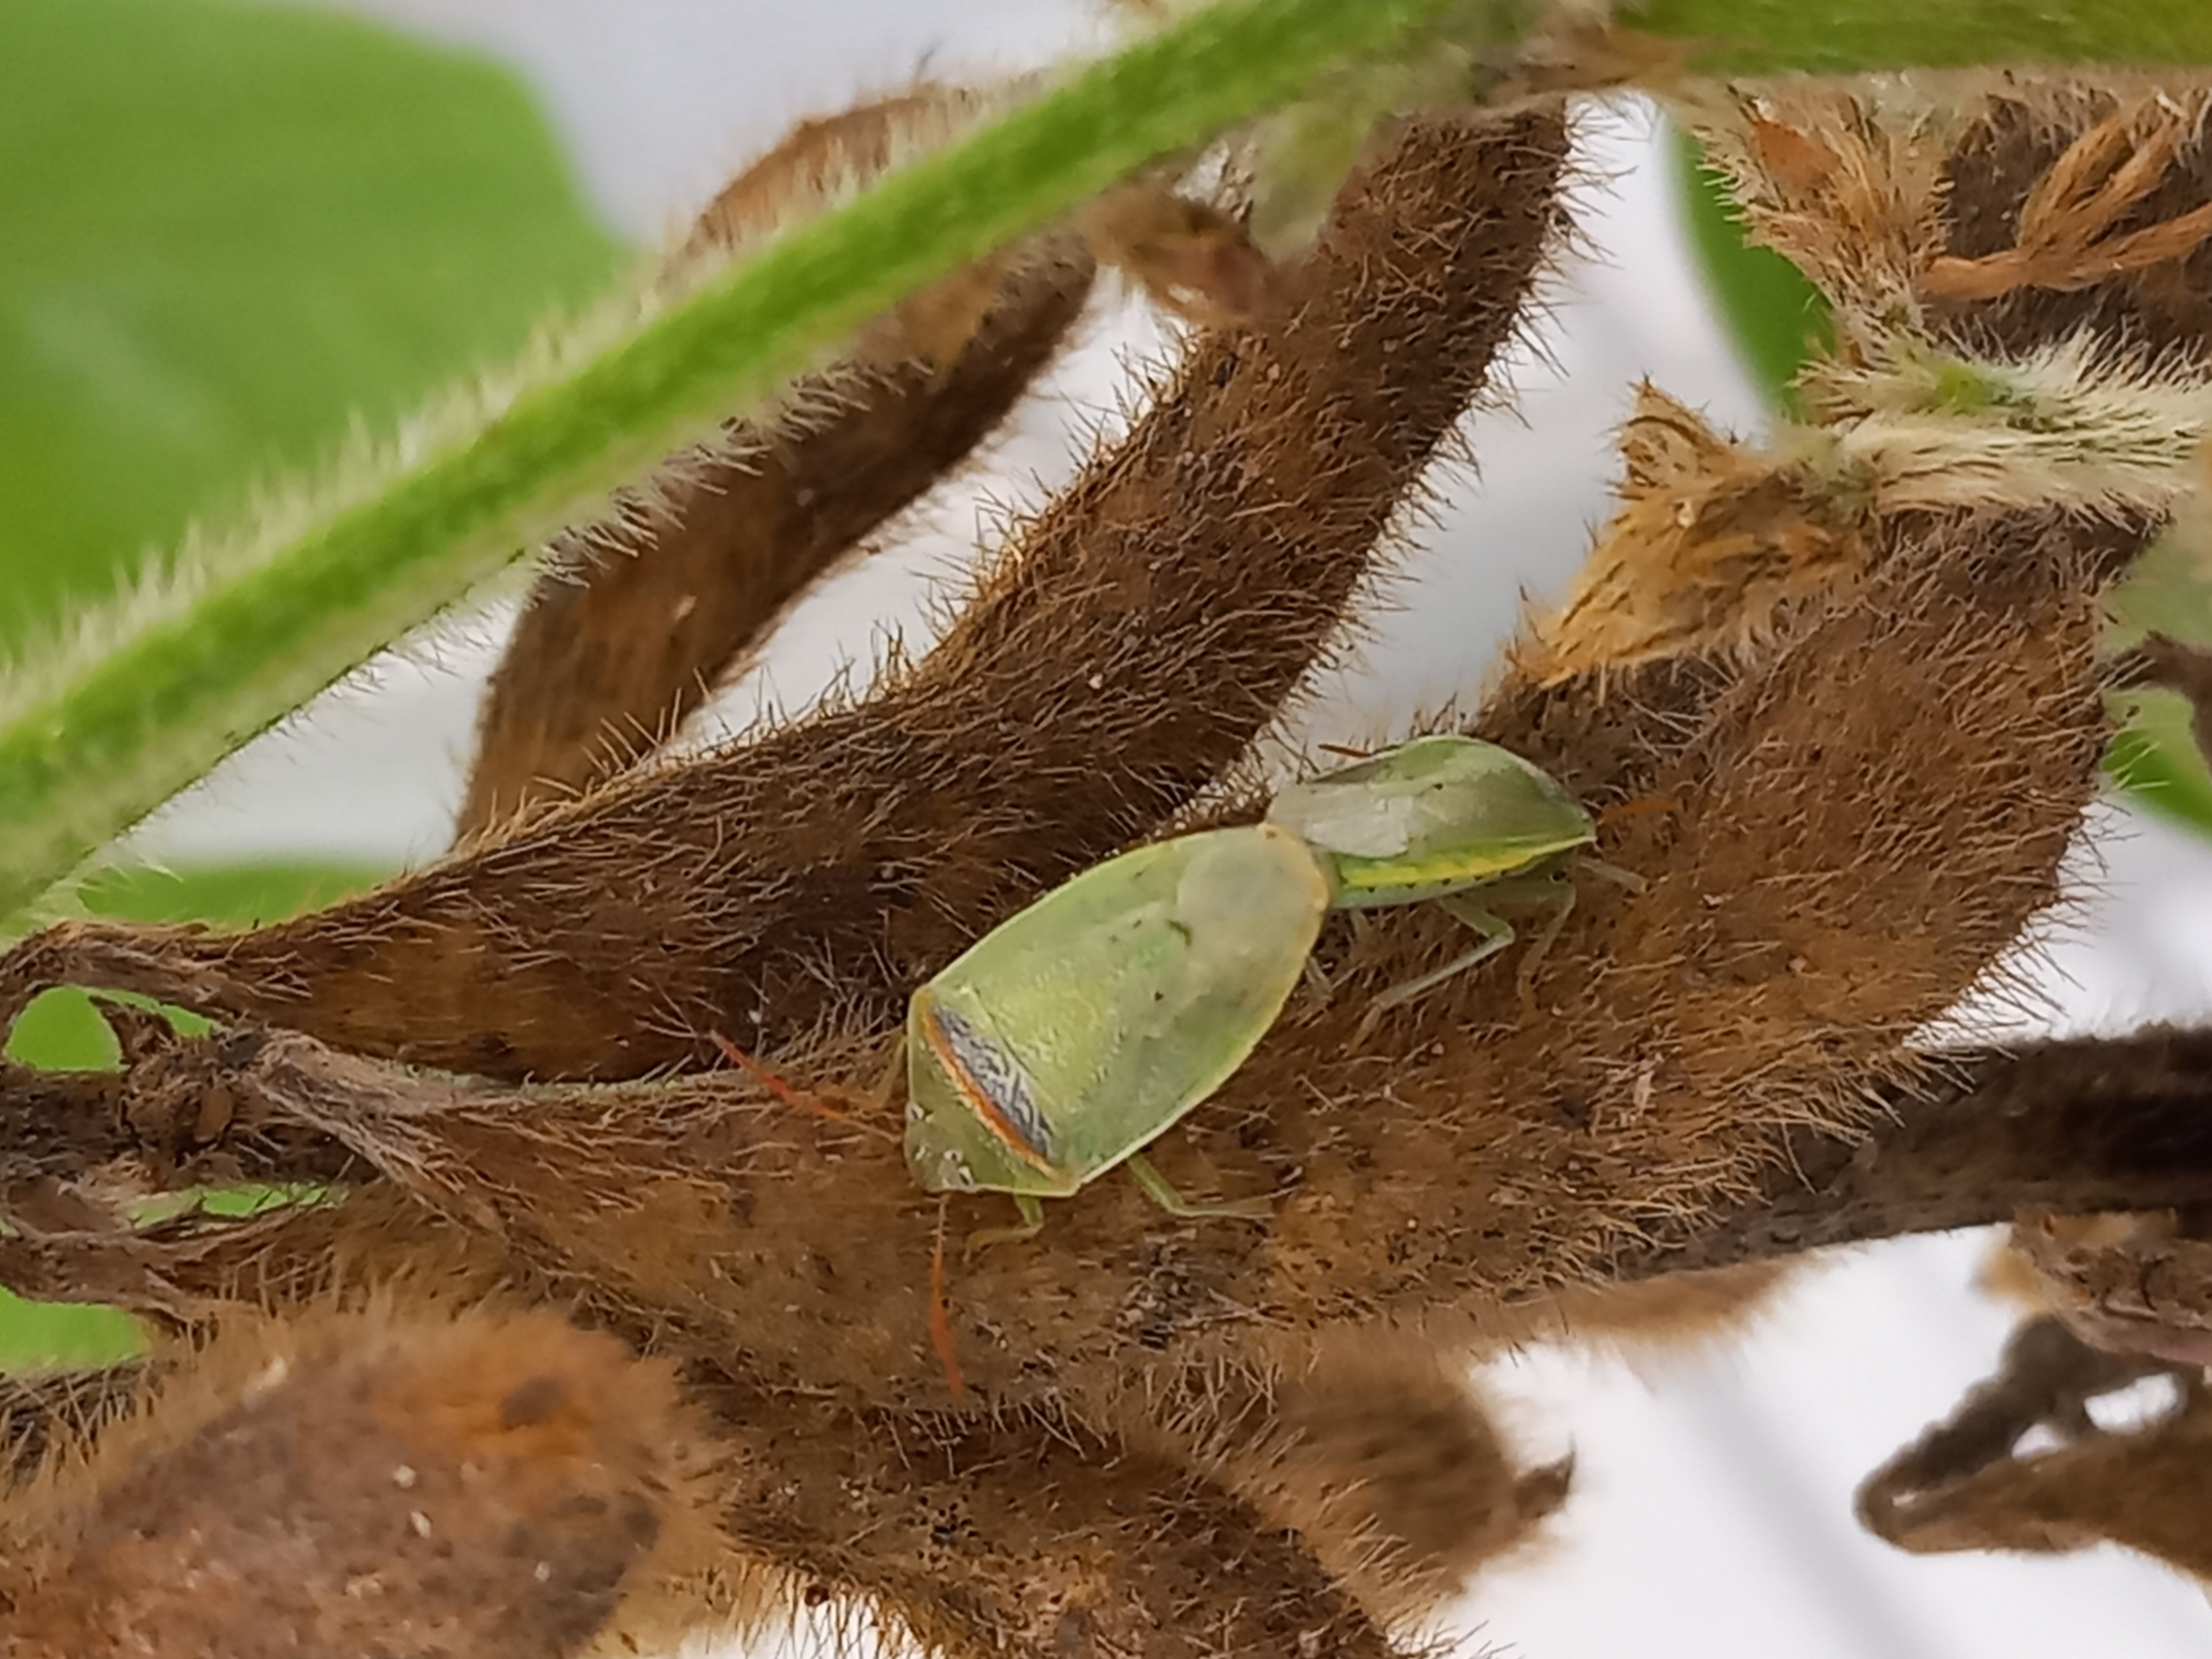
(1713, 543)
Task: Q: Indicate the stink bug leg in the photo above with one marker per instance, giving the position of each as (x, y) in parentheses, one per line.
(1496, 934)
(1032, 1225)
(1451, 819)
(1158, 1188)
(940, 1317)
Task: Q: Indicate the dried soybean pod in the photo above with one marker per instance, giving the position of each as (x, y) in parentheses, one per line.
(636, 622)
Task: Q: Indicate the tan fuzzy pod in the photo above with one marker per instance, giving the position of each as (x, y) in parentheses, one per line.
(1014, 1537)
(1681, 1310)
(379, 1483)
(638, 620)
(635, 627)
(1116, 661)
(1376, 1447)
(48, 1415)
(1193, 258)
(825, 160)
(1024, 1539)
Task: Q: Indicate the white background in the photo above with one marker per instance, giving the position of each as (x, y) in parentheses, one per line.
(1712, 1517)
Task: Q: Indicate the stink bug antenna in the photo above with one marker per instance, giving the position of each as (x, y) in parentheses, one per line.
(790, 1093)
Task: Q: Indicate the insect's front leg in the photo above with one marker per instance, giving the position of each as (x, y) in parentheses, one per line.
(1032, 1224)
(1541, 889)
(1495, 934)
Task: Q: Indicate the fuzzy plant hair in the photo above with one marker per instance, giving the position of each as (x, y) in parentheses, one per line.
(564, 1335)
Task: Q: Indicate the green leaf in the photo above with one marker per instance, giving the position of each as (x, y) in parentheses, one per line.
(1776, 318)
(62, 1031)
(2154, 756)
(231, 229)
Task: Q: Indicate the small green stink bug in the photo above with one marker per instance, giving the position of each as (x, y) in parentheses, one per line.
(1435, 819)
(1082, 1028)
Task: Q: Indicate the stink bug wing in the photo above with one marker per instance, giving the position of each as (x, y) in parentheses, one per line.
(1246, 913)
(1083, 1005)
(1433, 814)
(1346, 816)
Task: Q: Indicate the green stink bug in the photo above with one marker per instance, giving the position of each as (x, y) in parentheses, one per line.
(1079, 1031)
(1434, 820)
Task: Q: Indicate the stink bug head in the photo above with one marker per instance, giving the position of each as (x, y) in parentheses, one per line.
(1430, 817)
(972, 1123)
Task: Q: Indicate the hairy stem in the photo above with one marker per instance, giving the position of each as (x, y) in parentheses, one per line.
(2080, 1126)
(1855, 37)
(145, 699)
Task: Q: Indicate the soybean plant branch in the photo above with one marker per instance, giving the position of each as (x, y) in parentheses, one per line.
(2078, 1127)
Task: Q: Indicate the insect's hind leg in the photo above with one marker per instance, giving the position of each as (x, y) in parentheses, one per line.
(1552, 892)
(1162, 1193)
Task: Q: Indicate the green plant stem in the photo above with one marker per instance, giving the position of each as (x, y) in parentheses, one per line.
(89, 744)
(1860, 37)
(87, 749)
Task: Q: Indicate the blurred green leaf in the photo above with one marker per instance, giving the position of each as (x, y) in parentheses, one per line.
(2154, 756)
(61, 1030)
(1776, 318)
(2155, 759)
(232, 229)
